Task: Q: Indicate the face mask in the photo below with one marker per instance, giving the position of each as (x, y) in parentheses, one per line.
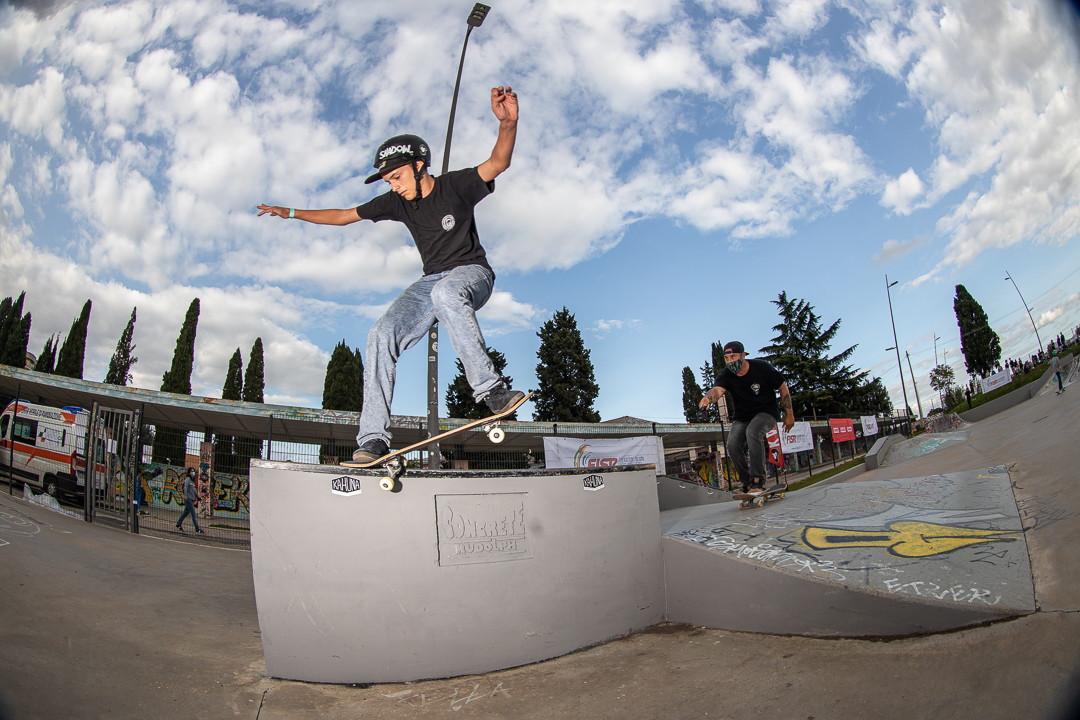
(735, 366)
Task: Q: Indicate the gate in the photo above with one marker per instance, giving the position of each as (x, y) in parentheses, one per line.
(112, 462)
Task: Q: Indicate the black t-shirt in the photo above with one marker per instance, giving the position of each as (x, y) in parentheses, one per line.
(754, 392)
(443, 227)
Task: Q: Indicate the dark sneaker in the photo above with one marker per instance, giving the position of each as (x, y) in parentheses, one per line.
(371, 451)
(501, 400)
(200, 531)
(180, 528)
(757, 486)
(745, 488)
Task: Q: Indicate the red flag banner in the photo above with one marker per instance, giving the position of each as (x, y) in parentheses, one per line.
(776, 454)
(843, 430)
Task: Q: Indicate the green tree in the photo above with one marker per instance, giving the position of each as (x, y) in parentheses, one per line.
(817, 380)
(459, 395)
(253, 376)
(942, 378)
(120, 366)
(567, 382)
(170, 444)
(691, 396)
(225, 457)
(10, 314)
(343, 385)
(46, 362)
(69, 362)
(980, 345)
(17, 340)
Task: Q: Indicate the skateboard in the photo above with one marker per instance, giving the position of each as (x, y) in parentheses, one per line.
(394, 463)
(759, 499)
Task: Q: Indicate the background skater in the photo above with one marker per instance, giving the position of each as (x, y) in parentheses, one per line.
(457, 281)
(753, 385)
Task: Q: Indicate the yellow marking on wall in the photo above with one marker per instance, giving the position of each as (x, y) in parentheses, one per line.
(905, 539)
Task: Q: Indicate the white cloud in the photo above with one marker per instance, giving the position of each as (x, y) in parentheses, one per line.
(503, 314)
(901, 192)
(896, 249)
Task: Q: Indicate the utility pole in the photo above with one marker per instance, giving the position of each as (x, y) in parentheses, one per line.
(917, 401)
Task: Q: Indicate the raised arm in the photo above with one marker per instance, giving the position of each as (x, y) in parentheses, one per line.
(713, 396)
(504, 104)
(319, 217)
(785, 401)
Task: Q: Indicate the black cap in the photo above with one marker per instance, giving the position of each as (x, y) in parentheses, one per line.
(734, 347)
(397, 151)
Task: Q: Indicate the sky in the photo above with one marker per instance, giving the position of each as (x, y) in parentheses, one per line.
(678, 166)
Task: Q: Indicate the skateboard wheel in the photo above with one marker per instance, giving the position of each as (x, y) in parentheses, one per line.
(387, 484)
(496, 435)
(759, 502)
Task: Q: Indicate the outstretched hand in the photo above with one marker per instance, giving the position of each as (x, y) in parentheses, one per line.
(504, 103)
(273, 210)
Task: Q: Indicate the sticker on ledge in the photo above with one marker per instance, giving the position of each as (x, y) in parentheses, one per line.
(594, 482)
(345, 485)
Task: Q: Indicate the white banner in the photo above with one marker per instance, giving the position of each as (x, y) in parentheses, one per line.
(799, 439)
(567, 452)
(869, 425)
(996, 380)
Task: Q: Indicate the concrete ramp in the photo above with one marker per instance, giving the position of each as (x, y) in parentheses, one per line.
(916, 447)
(861, 559)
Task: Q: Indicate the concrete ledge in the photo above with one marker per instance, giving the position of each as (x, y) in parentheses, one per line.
(881, 448)
(675, 493)
(1012, 399)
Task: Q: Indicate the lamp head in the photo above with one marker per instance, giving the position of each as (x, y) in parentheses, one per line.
(479, 12)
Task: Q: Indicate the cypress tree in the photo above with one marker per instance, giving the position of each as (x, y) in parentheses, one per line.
(980, 345)
(46, 362)
(69, 362)
(120, 365)
(565, 373)
(18, 338)
(691, 396)
(253, 376)
(170, 444)
(459, 395)
(225, 457)
(6, 318)
(343, 386)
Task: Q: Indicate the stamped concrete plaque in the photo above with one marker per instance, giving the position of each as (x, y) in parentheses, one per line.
(484, 528)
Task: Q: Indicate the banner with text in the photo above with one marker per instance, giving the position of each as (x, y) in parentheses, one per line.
(776, 453)
(567, 452)
(843, 430)
(996, 380)
(869, 425)
(800, 438)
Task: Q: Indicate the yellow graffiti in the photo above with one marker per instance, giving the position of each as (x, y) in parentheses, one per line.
(905, 539)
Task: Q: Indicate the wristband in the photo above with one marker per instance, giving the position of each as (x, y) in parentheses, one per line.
(292, 213)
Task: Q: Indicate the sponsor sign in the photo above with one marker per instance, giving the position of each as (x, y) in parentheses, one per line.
(869, 425)
(567, 452)
(843, 430)
(345, 485)
(996, 380)
(798, 439)
(776, 453)
(484, 528)
(594, 482)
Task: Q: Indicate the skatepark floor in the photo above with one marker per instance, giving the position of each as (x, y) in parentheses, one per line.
(99, 623)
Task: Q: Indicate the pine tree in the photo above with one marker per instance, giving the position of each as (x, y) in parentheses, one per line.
(46, 362)
(170, 444)
(800, 351)
(343, 386)
(225, 457)
(565, 374)
(459, 395)
(691, 396)
(69, 361)
(253, 376)
(980, 345)
(120, 366)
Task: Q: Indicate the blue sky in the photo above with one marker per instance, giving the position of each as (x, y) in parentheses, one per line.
(679, 165)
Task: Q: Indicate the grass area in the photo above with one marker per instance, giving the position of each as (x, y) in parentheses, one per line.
(1018, 382)
(826, 474)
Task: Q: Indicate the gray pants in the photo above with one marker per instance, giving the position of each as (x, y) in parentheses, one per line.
(452, 297)
(747, 447)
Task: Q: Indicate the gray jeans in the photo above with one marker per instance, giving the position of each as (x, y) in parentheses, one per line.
(747, 440)
(452, 297)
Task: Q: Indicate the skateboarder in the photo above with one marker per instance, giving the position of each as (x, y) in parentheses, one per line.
(753, 385)
(457, 281)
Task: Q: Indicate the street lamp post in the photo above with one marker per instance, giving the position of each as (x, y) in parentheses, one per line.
(896, 343)
(475, 20)
(918, 402)
(1010, 279)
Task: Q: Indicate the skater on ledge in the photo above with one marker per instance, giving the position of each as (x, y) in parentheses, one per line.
(753, 385)
(457, 281)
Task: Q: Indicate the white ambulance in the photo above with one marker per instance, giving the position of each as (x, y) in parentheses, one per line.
(44, 446)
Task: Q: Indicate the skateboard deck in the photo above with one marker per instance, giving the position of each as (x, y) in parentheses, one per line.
(759, 499)
(395, 464)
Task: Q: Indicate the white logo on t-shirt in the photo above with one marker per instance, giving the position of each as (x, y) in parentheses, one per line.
(756, 388)
(448, 222)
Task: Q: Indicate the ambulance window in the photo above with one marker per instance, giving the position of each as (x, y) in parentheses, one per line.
(4, 421)
(26, 430)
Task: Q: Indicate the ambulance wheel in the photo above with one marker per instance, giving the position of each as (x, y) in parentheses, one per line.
(496, 435)
(50, 487)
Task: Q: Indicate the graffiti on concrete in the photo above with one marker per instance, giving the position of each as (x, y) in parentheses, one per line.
(164, 487)
(904, 539)
(922, 445)
(943, 423)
